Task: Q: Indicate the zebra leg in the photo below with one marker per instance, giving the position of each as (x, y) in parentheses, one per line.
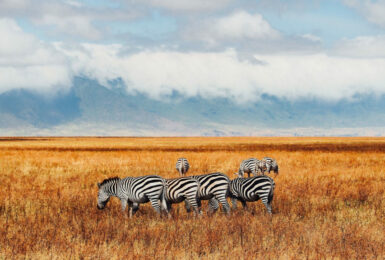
(243, 203)
(199, 203)
(192, 201)
(234, 203)
(155, 204)
(267, 204)
(225, 205)
(164, 206)
(168, 206)
(124, 204)
(213, 205)
(187, 206)
(130, 204)
(134, 208)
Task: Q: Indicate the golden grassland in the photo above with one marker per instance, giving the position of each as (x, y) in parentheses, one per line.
(328, 202)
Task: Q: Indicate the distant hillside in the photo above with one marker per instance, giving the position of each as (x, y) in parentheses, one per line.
(91, 109)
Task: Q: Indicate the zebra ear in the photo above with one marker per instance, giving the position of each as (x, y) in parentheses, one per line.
(98, 185)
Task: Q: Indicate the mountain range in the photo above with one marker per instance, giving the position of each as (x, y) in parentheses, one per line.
(89, 108)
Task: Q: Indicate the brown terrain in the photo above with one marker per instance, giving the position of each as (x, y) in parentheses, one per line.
(329, 200)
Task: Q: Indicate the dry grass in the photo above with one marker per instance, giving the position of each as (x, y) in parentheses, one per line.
(329, 199)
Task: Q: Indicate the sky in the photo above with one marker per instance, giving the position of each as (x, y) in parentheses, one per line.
(238, 49)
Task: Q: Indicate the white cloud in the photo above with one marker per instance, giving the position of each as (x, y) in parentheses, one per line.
(238, 26)
(362, 47)
(25, 62)
(223, 74)
(373, 10)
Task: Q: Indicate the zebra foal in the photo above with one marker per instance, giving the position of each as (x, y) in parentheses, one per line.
(252, 189)
(182, 166)
(132, 191)
(251, 165)
(178, 190)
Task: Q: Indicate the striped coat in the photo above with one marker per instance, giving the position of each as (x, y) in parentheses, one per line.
(213, 187)
(132, 191)
(269, 164)
(182, 166)
(249, 166)
(252, 189)
(178, 190)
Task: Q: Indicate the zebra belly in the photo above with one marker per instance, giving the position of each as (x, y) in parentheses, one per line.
(177, 200)
(252, 197)
(205, 196)
(141, 199)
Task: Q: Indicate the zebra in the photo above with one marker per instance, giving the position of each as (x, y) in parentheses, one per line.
(182, 166)
(269, 164)
(251, 165)
(178, 190)
(215, 188)
(132, 191)
(252, 189)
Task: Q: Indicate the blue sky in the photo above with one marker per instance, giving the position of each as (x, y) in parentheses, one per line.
(237, 48)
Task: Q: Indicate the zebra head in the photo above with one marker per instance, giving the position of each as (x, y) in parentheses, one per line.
(106, 189)
(275, 168)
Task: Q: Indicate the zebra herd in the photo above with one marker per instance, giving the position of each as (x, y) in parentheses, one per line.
(215, 187)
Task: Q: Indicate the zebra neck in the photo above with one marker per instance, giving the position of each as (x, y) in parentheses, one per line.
(113, 189)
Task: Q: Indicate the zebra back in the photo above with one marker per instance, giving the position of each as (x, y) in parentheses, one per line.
(211, 182)
(141, 189)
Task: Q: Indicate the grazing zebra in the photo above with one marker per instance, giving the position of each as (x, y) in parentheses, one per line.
(251, 165)
(269, 164)
(178, 190)
(132, 191)
(213, 187)
(252, 189)
(182, 166)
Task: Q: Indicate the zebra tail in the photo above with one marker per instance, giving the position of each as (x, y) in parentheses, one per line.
(271, 192)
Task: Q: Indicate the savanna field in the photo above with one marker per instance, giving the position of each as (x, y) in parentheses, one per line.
(329, 200)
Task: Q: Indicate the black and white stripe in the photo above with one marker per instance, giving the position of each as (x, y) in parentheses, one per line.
(213, 187)
(252, 189)
(249, 166)
(178, 190)
(132, 191)
(269, 164)
(182, 166)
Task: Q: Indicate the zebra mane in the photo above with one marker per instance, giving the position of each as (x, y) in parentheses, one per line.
(109, 180)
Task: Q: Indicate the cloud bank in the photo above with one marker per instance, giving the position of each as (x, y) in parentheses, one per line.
(26, 62)
(229, 57)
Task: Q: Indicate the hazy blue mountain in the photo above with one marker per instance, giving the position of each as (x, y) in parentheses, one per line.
(37, 109)
(91, 105)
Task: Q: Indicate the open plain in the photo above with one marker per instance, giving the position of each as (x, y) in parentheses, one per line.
(329, 199)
